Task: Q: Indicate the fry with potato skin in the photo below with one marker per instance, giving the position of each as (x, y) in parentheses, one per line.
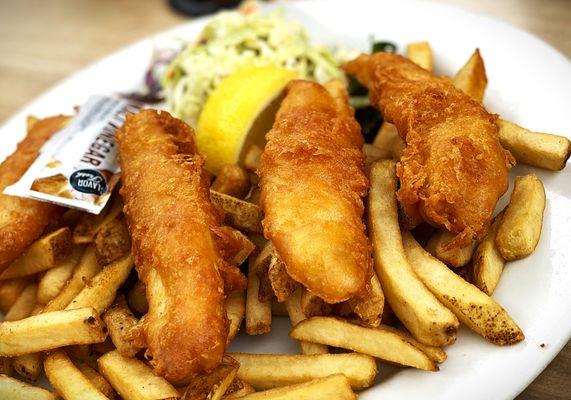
(471, 78)
(333, 387)
(23, 220)
(120, 320)
(68, 380)
(424, 316)
(474, 308)
(266, 371)
(520, 228)
(375, 342)
(258, 313)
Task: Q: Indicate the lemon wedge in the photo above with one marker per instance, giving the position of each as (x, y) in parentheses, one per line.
(239, 112)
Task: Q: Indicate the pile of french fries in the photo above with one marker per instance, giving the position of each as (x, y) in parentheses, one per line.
(73, 306)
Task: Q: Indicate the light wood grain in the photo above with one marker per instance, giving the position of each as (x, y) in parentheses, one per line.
(42, 42)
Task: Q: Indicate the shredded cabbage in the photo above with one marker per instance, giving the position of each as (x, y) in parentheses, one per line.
(239, 39)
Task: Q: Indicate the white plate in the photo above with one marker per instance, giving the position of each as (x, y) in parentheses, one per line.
(529, 84)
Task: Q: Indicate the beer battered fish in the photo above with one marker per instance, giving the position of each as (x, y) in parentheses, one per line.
(175, 233)
(453, 170)
(23, 220)
(312, 183)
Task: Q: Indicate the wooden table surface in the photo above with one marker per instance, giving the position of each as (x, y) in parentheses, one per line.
(42, 42)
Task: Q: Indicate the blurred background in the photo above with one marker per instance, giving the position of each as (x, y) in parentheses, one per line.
(42, 42)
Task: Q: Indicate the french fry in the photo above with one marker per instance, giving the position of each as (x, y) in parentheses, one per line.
(133, 379)
(282, 284)
(214, 384)
(55, 279)
(86, 269)
(373, 153)
(266, 371)
(112, 241)
(137, 299)
(420, 53)
(471, 78)
(29, 366)
(83, 352)
(10, 291)
(235, 309)
(6, 367)
(424, 316)
(14, 389)
(436, 354)
(333, 387)
(252, 158)
(102, 289)
(89, 224)
(258, 313)
(237, 247)
(120, 320)
(44, 253)
(98, 380)
(376, 342)
(238, 213)
(473, 307)
(261, 265)
(296, 315)
(454, 257)
(542, 150)
(488, 264)
(389, 140)
(232, 180)
(312, 305)
(69, 381)
(238, 389)
(369, 307)
(520, 228)
(51, 330)
(25, 304)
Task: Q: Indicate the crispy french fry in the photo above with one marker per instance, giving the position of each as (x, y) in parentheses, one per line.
(542, 150)
(112, 241)
(424, 316)
(471, 78)
(282, 284)
(258, 313)
(238, 389)
(520, 228)
(98, 380)
(69, 381)
(312, 305)
(235, 309)
(455, 257)
(296, 315)
(389, 140)
(81, 351)
(44, 253)
(369, 307)
(29, 366)
(488, 263)
(120, 320)
(25, 304)
(137, 299)
(86, 269)
(55, 279)
(261, 266)
(236, 246)
(51, 330)
(436, 354)
(373, 153)
(474, 308)
(252, 158)
(333, 387)
(10, 291)
(376, 342)
(238, 213)
(232, 180)
(133, 379)
(102, 289)
(14, 389)
(420, 53)
(212, 385)
(266, 371)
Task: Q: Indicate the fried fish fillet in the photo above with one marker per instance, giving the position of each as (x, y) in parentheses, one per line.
(453, 170)
(171, 221)
(23, 220)
(312, 183)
